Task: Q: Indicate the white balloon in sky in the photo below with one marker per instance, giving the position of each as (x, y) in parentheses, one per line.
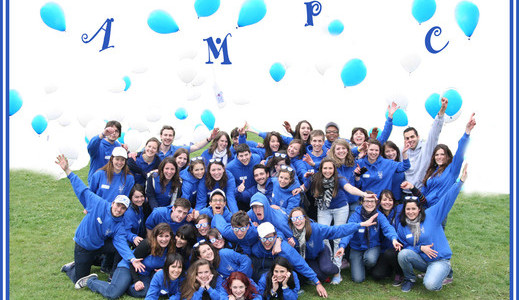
(187, 53)
(116, 114)
(139, 69)
(138, 125)
(54, 111)
(84, 117)
(322, 66)
(65, 120)
(133, 139)
(193, 93)
(201, 132)
(115, 84)
(69, 151)
(50, 88)
(449, 119)
(186, 70)
(199, 79)
(241, 100)
(94, 127)
(153, 115)
(410, 62)
(400, 100)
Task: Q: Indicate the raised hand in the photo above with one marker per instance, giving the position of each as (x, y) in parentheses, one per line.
(62, 161)
(241, 187)
(406, 185)
(391, 109)
(445, 102)
(470, 124)
(370, 221)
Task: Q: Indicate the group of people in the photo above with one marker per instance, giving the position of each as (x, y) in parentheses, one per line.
(249, 220)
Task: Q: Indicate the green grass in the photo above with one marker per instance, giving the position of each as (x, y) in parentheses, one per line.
(44, 214)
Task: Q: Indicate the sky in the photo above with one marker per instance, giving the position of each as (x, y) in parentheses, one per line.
(69, 81)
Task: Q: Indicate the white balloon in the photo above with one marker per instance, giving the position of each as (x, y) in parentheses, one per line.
(187, 53)
(153, 115)
(65, 120)
(410, 62)
(400, 100)
(116, 114)
(94, 127)
(199, 79)
(69, 151)
(54, 112)
(193, 94)
(139, 69)
(186, 70)
(201, 132)
(133, 139)
(322, 66)
(115, 85)
(449, 119)
(84, 117)
(138, 125)
(51, 88)
(241, 101)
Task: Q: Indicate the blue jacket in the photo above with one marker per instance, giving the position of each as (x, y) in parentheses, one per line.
(315, 244)
(382, 137)
(108, 191)
(316, 159)
(283, 197)
(242, 139)
(202, 196)
(100, 151)
(134, 223)
(397, 180)
(380, 174)
(247, 193)
(209, 211)
(225, 228)
(431, 228)
(347, 173)
(207, 157)
(393, 218)
(340, 200)
(438, 185)
(286, 139)
(172, 151)
(288, 294)
(329, 144)
(358, 240)
(140, 168)
(277, 217)
(189, 185)
(157, 287)
(98, 224)
(157, 196)
(242, 172)
(214, 293)
(163, 215)
(301, 168)
(231, 261)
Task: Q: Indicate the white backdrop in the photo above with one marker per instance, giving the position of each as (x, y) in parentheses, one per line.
(57, 74)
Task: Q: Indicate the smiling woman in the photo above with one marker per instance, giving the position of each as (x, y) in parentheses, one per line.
(164, 186)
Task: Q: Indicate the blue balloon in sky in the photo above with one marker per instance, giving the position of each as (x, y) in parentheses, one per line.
(181, 113)
(208, 119)
(467, 16)
(455, 102)
(39, 124)
(53, 16)
(127, 83)
(15, 102)
(205, 8)
(277, 71)
(400, 118)
(336, 27)
(423, 10)
(433, 105)
(251, 12)
(353, 72)
(162, 22)
(121, 138)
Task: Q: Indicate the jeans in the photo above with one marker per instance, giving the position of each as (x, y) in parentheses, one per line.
(362, 260)
(387, 264)
(339, 217)
(323, 265)
(146, 280)
(84, 260)
(435, 272)
(353, 206)
(120, 282)
(260, 266)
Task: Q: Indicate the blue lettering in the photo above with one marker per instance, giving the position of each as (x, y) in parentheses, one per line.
(216, 52)
(312, 9)
(107, 30)
(436, 30)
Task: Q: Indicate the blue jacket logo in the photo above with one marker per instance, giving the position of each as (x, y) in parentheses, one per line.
(99, 220)
(380, 174)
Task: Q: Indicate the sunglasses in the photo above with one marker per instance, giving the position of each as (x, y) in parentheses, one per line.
(242, 229)
(202, 225)
(270, 239)
(212, 160)
(285, 167)
(410, 198)
(282, 155)
(197, 158)
(298, 218)
(215, 239)
(202, 242)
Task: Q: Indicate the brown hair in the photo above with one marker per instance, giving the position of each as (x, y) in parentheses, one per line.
(317, 179)
(156, 250)
(433, 168)
(308, 227)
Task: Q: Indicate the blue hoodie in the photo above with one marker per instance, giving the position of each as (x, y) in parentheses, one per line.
(172, 151)
(288, 294)
(100, 151)
(98, 224)
(157, 196)
(214, 293)
(382, 138)
(243, 172)
(209, 211)
(202, 196)
(157, 287)
(380, 174)
(438, 185)
(347, 173)
(208, 156)
(242, 139)
(163, 215)
(225, 228)
(301, 168)
(358, 240)
(431, 228)
(189, 185)
(316, 159)
(286, 139)
(247, 194)
(108, 191)
(393, 218)
(277, 217)
(340, 200)
(134, 223)
(231, 261)
(140, 168)
(283, 197)
(315, 244)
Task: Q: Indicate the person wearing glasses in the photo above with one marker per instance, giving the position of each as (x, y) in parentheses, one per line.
(283, 190)
(218, 241)
(202, 225)
(242, 170)
(216, 177)
(239, 232)
(280, 282)
(217, 206)
(332, 134)
(263, 184)
(164, 186)
(167, 281)
(309, 239)
(225, 260)
(191, 177)
(276, 161)
(202, 282)
(100, 147)
(145, 161)
(220, 148)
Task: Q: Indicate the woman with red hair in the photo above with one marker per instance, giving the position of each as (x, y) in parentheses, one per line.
(239, 287)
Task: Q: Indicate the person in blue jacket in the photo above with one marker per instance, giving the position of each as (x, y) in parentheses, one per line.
(444, 168)
(280, 282)
(263, 184)
(391, 151)
(134, 216)
(191, 177)
(242, 170)
(202, 225)
(379, 171)
(174, 215)
(315, 152)
(309, 238)
(216, 177)
(218, 241)
(239, 136)
(295, 151)
(241, 287)
(262, 212)
(220, 148)
(164, 185)
(273, 142)
(332, 134)
(167, 135)
(114, 178)
(100, 147)
(283, 190)
(425, 245)
(340, 153)
(263, 250)
(143, 162)
(185, 239)
(217, 206)
(167, 281)
(152, 251)
(276, 161)
(104, 221)
(365, 243)
(360, 135)
(240, 231)
(202, 282)
(302, 130)
(225, 260)
(181, 157)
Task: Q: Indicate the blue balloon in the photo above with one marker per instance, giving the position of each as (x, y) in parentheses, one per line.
(121, 138)
(467, 16)
(423, 10)
(39, 124)
(205, 8)
(181, 113)
(455, 102)
(433, 105)
(127, 83)
(277, 71)
(162, 22)
(400, 118)
(15, 102)
(371, 130)
(208, 119)
(336, 27)
(353, 72)
(87, 140)
(251, 12)
(53, 16)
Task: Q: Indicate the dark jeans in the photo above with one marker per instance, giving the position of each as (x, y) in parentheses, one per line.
(387, 265)
(84, 259)
(323, 265)
(260, 266)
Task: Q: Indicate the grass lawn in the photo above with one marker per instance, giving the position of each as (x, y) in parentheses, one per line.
(44, 214)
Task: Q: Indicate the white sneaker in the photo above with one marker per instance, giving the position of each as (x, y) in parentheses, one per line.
(82, 282)
(68, 266)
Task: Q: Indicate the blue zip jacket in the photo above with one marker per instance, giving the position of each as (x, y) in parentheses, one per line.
(301, 168)
(207, 157)
(158, 197)
(393, 218)
(358, 241)
(140, 168)
(347, 173)
(172, 151)
(163, 215)
(316, 159)
(100, 151)
(243, 140)
(108, 191)
(243, 172)
(98, 224)
(397, 180)
(209, 211)
(247, 193)
(380, 174)
(288, 294)
(134, 223)
(225, 228)
(231, 261)
(202, 196)
(189, 185)
(283, 197)
(438, 185)
(214, 293)
(158, 289)
(277, 217)
(340, 200)
(315, 244)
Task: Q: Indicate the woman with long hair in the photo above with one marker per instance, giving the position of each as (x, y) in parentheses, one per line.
(283, 190)
(185, 239)
(295, 151)
(143, 162)
(181, 157)
(134, 216)
(275, 162)
(220, 148)
(202, 282)
(216, 177)
(202, 225)
(191, 177)
(224, 260)
(391, 151)
(164, 186)
(167, 281)
(114, 178)
(341, 155)
(280, 282)
(240, 287)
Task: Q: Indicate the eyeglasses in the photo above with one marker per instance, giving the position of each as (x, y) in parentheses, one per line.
(282, 155)
(215, 239)
(242, 229)
(298, 218)
(197, 158)
(212, 160)
(270, 239)
(203, 225)
(410, 198)
(285, 167)
(200, 243)
(332, 132)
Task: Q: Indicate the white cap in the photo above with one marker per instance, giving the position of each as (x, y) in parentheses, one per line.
(217, 191)
(122, 199)
(265, 229)
(120, 151)
(256, 202)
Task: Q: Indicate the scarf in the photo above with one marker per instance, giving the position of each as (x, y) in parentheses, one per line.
(222, 155)
(301, 238)
(364, 216)
(325, 198)
(415, 229)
